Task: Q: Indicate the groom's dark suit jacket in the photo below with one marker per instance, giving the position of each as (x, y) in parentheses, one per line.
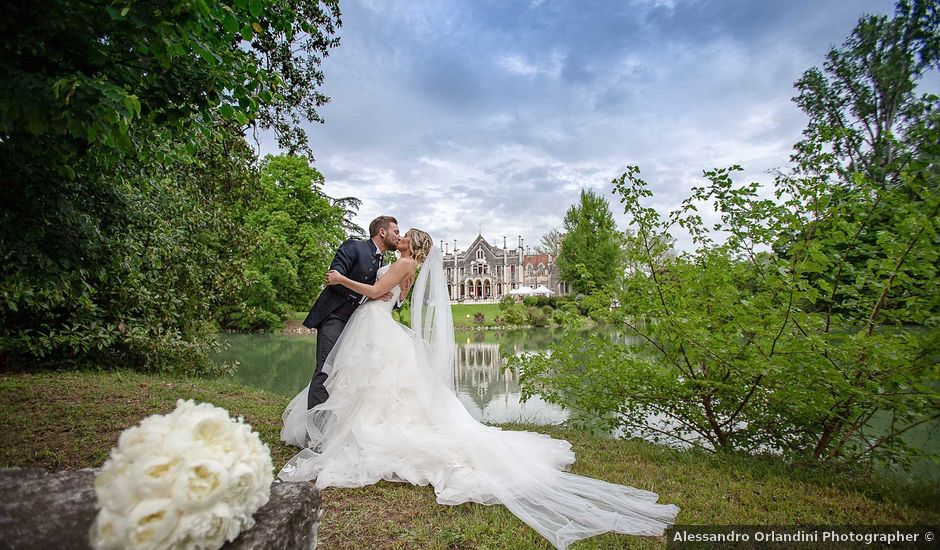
(358, 261)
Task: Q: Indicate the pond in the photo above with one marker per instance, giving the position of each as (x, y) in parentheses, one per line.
(283, 364)
(488, 389)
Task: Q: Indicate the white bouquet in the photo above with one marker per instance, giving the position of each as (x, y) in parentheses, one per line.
(188, 479)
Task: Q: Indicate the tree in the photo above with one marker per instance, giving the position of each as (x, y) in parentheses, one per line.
(79, 73)
(350, 206)
(551, 243)
(866, 120)
(591, 253)
(126, 171)
(299, 229)
(863, 101)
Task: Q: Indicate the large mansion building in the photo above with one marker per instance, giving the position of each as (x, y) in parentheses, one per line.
(485, 272)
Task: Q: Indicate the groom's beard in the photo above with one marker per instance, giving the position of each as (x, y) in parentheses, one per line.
(390, 244)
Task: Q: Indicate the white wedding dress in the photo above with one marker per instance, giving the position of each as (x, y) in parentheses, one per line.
(390, 416)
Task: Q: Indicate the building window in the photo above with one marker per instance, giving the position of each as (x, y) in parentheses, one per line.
(479, 253)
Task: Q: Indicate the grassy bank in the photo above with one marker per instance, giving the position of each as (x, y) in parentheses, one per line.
(69, 420)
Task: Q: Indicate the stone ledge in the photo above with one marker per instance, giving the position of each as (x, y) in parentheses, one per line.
(44, 510)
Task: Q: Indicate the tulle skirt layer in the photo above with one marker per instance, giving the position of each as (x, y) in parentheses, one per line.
(389, 418)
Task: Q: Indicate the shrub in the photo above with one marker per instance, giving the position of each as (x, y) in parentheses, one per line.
(541, 301)
(536, 317)
(515, 315)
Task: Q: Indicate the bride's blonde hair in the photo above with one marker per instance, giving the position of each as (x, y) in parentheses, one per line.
(420, 245)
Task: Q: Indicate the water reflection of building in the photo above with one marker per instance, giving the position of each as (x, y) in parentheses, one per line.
(482, 373)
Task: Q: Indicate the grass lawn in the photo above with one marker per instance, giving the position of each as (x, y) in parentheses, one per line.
(460, 311)
(68, 420)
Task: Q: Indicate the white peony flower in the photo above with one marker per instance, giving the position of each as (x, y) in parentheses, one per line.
(216, 432)
(200, 485)
(202, 530)
(151, 523)
(243, 482)
(188, 479)
(155, 475)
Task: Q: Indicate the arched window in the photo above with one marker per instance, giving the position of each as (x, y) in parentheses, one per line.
(480, 254)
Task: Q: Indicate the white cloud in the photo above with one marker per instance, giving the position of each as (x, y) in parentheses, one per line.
(518, 64)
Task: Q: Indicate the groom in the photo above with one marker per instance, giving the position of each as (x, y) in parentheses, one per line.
(358, 260)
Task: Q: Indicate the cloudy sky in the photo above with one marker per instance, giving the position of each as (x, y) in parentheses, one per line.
(461, 115)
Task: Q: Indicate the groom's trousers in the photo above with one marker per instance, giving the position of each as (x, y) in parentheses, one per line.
(327, 333)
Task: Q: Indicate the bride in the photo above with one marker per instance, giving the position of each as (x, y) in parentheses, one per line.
(393, 415)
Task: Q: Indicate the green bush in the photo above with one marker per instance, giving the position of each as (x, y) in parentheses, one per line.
(515, 315)
(730, 349)
(536, 317)
(507, 302)
(541, 301)
(130, 275)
